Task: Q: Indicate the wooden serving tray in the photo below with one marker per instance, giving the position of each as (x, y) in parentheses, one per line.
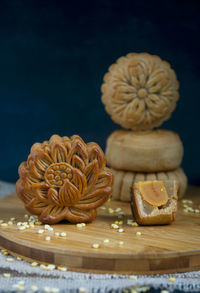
(159, 249)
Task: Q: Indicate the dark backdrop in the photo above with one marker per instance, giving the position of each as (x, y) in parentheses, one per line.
(53, 55)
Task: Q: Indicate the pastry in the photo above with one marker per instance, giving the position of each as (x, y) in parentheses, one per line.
(149, 151)
(140, 91)
(123, 182)
(154, 202)
(64, 178)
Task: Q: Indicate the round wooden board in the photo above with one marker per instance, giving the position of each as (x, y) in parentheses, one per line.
(159, 249)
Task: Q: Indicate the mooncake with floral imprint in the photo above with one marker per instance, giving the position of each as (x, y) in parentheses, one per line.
(64, 178)
(140, 91)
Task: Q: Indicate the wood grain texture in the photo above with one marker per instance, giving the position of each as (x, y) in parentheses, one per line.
(160, 249)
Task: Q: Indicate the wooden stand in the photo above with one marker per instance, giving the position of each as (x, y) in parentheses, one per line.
(159, 249)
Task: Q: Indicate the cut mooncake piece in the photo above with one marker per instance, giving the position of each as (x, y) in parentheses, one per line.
(154, 202)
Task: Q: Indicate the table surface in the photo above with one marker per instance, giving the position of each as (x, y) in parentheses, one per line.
(24, 272)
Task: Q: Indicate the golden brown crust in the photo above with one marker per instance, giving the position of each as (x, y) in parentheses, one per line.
(165, 215)
(140, 91)
(64, 178)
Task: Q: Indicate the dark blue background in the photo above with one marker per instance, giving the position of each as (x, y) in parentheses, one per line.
(53, 55)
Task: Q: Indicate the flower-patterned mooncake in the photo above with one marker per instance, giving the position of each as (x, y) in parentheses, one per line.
(140, 91)
(64, 178)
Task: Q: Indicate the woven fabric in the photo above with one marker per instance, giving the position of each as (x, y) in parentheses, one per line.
(71, 281)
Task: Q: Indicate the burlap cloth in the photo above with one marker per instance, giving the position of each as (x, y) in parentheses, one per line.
(72, 282)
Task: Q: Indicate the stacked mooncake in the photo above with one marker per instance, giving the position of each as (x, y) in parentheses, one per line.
(140, 92)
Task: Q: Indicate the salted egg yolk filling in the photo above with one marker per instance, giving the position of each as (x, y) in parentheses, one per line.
(153, 192)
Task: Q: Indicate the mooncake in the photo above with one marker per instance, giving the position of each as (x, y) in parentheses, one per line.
(64, 179)
(144, 151)
(154, 202)
(140, 91)
(123, 181)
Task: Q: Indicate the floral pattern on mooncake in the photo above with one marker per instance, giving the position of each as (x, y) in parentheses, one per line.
(64, 178)
(140, 91)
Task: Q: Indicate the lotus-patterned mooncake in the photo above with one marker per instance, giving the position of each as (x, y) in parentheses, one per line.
(64, 178)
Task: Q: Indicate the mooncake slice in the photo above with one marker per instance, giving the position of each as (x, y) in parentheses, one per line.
(154, 202)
